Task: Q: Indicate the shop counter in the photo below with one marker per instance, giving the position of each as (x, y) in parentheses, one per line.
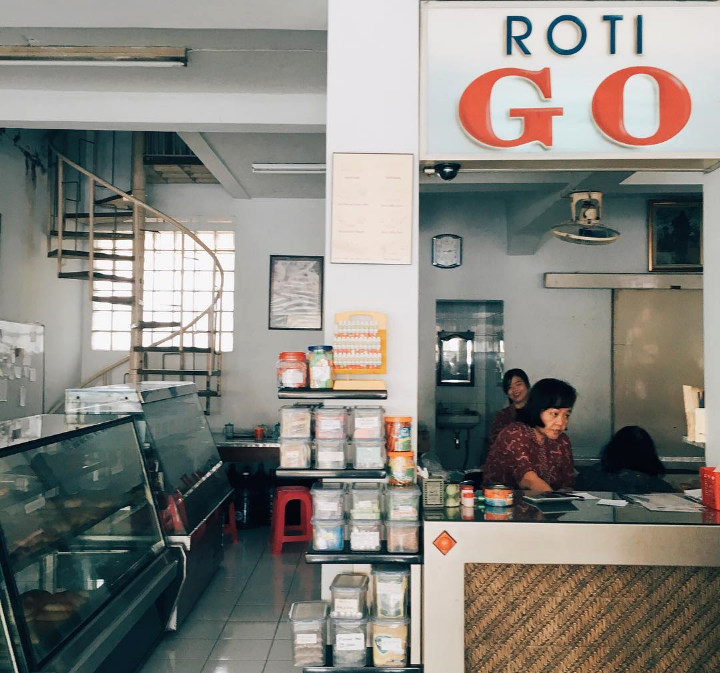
(596, 588)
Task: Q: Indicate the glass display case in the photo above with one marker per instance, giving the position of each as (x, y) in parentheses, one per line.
(77, 527)
(184, 468)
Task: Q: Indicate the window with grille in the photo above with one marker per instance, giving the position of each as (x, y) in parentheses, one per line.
(178, 286)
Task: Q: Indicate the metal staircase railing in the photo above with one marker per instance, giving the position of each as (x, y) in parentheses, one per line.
(120, 218)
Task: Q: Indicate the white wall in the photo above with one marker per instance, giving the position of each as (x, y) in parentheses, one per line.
(373, 65)
(559, 333)
(263, 227)
(30, 290)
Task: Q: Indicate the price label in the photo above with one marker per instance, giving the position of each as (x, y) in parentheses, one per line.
(350, 641)
(306, 638)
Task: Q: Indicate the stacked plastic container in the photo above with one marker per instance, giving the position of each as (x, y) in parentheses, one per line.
(365, 524)
(331, 425)
(349, 619)
(402, 525)
(368, 438)
(308, 620)
(390, 620)
(328, 516)
(295, 437)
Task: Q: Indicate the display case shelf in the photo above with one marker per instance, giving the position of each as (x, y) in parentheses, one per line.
(349, 556)
(368, 668)
(313, 473)
(324, 394)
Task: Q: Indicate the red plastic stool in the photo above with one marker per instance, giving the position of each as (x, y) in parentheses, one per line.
(278, 530)
(230, 522)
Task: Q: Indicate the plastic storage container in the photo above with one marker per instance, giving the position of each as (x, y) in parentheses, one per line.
(328, 534)
(402, 503)
(367, 423)
(295, 452)
(365, 501)
(401, 468)
(349, 596)
(368, 454)
(389, 641)
(320, 366)
(295, 421)
(292, 371)
(330, 454)
(330, 423)
(365, 535)
(328, 500)
(402, 536)
(398, 433)
(308, 621)
(349, 641)
(390, 589)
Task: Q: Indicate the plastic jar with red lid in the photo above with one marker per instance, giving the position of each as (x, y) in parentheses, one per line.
(292, 371)
(398, 433)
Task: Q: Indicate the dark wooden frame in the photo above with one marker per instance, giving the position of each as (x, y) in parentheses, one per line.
(290, 290)
(675, 235)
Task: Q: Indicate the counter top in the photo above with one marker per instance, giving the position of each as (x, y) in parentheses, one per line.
(244, 442)
(574, 512)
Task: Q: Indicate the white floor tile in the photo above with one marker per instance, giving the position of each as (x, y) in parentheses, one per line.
(256, 613)
(215, 666)
(168, 666)
(281, 650)
(199, 628)
(183, 648)
(283, 631)
(241, 650)
(281, 667)
(249, 631)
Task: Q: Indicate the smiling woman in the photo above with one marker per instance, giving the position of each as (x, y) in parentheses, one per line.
(534, 453)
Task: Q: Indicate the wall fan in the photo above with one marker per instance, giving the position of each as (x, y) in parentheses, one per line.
(584, 227)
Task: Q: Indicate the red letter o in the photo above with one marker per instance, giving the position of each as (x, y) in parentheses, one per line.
(674, 106)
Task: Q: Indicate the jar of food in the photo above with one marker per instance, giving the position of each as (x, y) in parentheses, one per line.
(292, 370)
(452, 494)
(398, 433)
(401, 468)
(320, 364)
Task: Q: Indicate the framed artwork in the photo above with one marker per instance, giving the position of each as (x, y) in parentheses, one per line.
(675, 234)
(296, 292)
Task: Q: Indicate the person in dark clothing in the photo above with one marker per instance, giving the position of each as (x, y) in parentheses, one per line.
(516, 385)
(628, 464)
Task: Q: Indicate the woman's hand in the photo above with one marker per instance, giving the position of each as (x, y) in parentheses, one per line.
(532, 482)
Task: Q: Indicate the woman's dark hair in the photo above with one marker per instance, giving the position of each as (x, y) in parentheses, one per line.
(631, 448)
(510, 374)
(546, 394)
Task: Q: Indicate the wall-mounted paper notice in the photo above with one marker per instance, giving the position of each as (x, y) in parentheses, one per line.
(3, 390)
(372, 208)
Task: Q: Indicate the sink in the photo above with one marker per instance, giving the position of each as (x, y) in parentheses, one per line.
(457, 421)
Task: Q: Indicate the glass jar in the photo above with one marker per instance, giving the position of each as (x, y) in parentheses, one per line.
(320, 364)
(292, 371)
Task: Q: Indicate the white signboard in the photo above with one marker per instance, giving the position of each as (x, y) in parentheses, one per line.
(525, 80)
(371, 210)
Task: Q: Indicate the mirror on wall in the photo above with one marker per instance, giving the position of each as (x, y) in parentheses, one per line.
(455, 365)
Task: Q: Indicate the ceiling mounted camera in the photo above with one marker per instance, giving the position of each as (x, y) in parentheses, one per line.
(447, 170)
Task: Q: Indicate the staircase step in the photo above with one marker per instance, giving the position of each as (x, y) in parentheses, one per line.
(100, 235)
(101, 217)
(180, 372)
(208, 393)
(171, 349)
(84, 254)
(127, 301)
(154, 324)
(113, 201)
(85, 275)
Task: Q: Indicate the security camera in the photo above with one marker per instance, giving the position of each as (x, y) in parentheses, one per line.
(447, 170)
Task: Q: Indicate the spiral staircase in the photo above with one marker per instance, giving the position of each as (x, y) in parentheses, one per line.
(97, 234)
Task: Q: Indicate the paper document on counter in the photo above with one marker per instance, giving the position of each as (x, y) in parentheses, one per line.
(665, 502)
(612, 503)
(583, 495)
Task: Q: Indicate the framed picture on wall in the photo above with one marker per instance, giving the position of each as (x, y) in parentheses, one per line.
(296, 292)
(675, 234)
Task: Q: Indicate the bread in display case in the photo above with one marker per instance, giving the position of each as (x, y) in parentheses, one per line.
(77, 526)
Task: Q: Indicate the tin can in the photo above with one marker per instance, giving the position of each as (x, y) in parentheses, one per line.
(498, 495)
(259, 432)
(498, 514)
(467, 494)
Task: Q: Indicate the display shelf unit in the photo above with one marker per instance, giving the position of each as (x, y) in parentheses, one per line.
(313, 473)
(326, 394)
(349, 556)
(368, 668)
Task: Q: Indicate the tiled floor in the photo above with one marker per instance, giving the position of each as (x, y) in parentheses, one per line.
(241, 623)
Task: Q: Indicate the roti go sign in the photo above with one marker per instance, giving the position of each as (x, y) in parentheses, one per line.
(516, 81)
